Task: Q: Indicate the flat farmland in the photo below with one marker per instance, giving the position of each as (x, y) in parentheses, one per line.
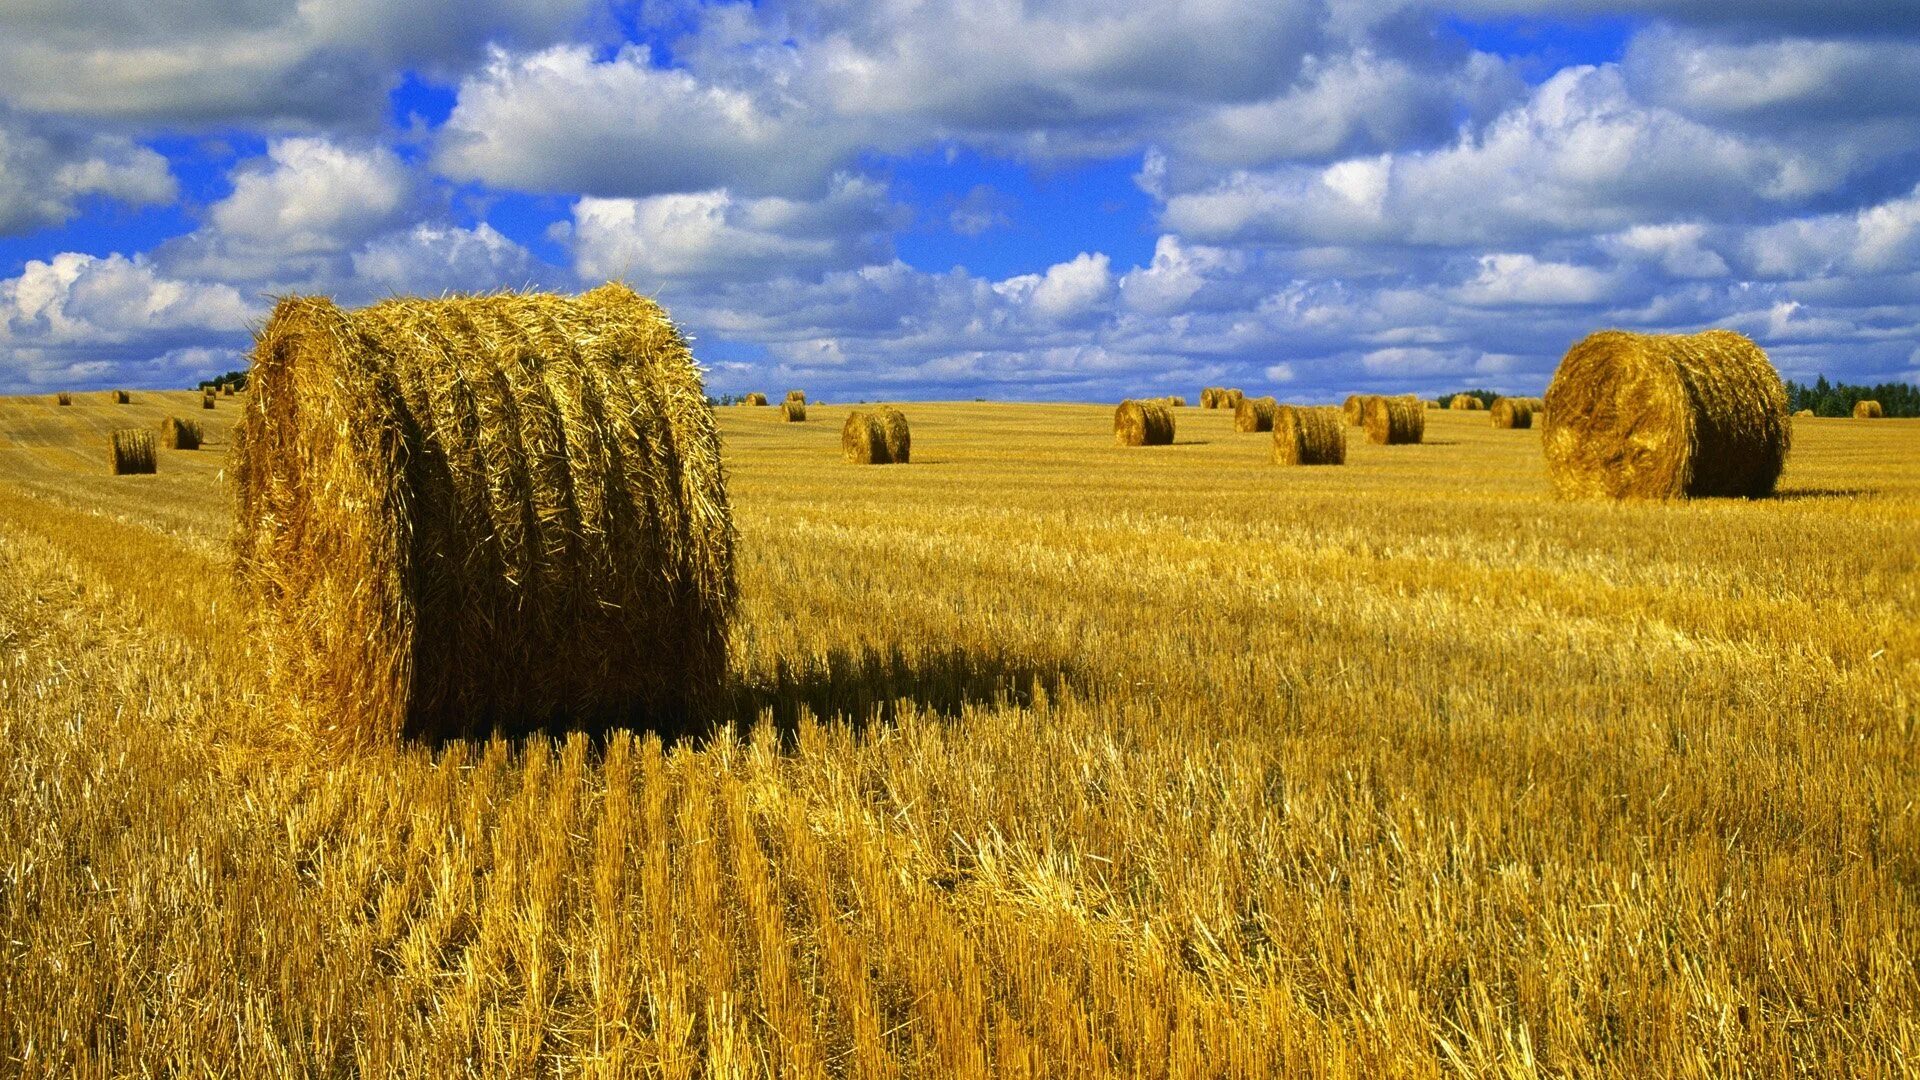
(1046, 757)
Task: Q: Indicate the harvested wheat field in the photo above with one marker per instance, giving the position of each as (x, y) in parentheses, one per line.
(1038, 759)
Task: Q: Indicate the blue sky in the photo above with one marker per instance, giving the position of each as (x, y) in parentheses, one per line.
(1049, 200)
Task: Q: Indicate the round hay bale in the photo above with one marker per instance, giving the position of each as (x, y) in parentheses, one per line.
(1177, 401)
(1867, 410)
(1232, 398)
(226, 390)
(1309, 435)
(1512, 413)
(1466, 402)
(1355, 409)
(754, 399)
(1664, 416)
(797, 395)
(1211, 396)
(472, 514)
(863, 439)
(793, 412)
(63, 398)
(1428, 403)
(207, 399)
(1142, 423)
(899, 438)
(120, 397)
(178, 434)
(1395, 421)
(1254, 414)
(130, 451)
(1803, 412)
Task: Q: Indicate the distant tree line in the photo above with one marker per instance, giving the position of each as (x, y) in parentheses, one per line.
(1836, 399)
(235, 379)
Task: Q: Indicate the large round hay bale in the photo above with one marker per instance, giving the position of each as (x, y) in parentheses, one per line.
(1662, 416)
(1177, 401)
(1429, 403)
(226, 390)
(1231, 398)
(1512, 413)
(899, 437)
(793, 412)
(120, 397)
(131, 450)
(1309, 435)
(1142, 423)
(178, 434)
(1212, 396)
(1466, 402)
(1354, 409)
(63, 398)
(797, 395)
(1254, 414)
(207, 399)
(1867, 410)
(1808, 413)
(755, 398)
(1395, 421)
(863, 436)
(487, 513)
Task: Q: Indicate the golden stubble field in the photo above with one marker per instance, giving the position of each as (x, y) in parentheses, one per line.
(1053, 759)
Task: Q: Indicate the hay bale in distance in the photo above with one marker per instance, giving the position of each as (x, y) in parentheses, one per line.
(1254, 414)
(1466, 402)
(120, 397)
(131, 451)
(863, 439)
(63, 398)
(1395, 421)
(1355, 409)
(178, 434)
(1309, 435)
(1232, 398)
(1512, 413)
(1868, 410)
(1142, 423)
(1212, 396)
(1176, 401)
(527, 527)
(226, 390)
(1665, 416)
(754, 399)
(797, 395)
(793, 412)
(207, 399)
(1803, 412)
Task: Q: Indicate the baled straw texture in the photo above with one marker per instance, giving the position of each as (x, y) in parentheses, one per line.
(1467, 402)
(863, 439)
(63, 398)
(1309, 435)
(178, 434)
(1665, 416)
(1142, 423)
(1177, 401)
(1395, 421)
(1211, 396)
(1254, 414)
(120, 397)
(1355, 409)
(226, 390)
(1867, 410)
(797, 395)
(793, 412)
(207, 399)
(754, 399)
(899, 438)
(1803, 412)
(478, 513)
(1512, 413)
(131, 450)
(1232, 398)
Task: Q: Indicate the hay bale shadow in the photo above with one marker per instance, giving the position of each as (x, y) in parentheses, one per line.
(1799, 494)
(871, 686)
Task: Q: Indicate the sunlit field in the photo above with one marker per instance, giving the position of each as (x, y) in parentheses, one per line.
(1047, 758)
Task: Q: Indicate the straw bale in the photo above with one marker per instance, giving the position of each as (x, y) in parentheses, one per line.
(1309, 435)
(1512, 413)
(1232, 398)
(120, 397)
(207, 399)
(1395, 421)
(178, 434)
(1663, 416)
(131, 450)
(1254, 414)
(1467, 402)
(1803, 412)
(863, 439)
(793, 412)
(1867, 410)
(755, 398)
(797, 395)
(63, 398)
(1355, 409)
(477, 514)
(1142, 423)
